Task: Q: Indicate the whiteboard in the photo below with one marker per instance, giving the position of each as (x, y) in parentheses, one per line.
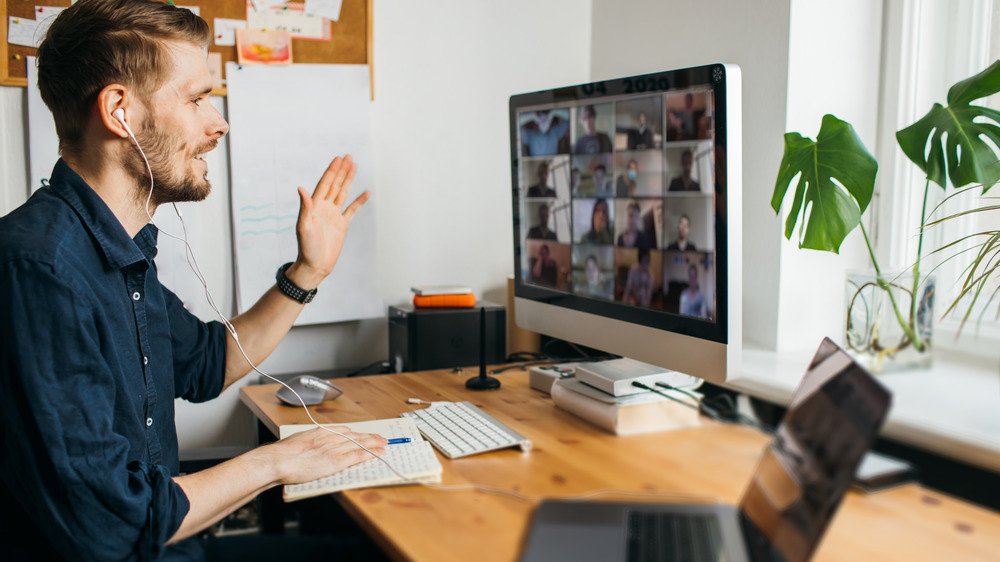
(286, 124)
(43, 143)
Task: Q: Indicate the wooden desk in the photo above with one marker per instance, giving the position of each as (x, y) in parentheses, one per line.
(570, 457)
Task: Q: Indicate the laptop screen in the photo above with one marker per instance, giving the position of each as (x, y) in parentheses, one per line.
(832, 420)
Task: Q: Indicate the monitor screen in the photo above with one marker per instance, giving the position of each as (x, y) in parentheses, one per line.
(619, 199)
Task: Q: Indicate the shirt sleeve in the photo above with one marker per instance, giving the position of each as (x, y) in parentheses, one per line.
(62, 461)
(199, 350)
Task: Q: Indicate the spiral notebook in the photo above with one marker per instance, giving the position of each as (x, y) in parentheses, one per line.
(416, 460)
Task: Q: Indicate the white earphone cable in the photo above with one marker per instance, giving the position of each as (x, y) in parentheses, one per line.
(193, 264)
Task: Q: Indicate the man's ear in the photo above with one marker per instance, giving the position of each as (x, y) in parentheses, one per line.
(110, 99)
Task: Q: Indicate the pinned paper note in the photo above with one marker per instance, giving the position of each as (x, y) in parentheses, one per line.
(256, 46)
(22, 31)
(290, 17)
(267, 4)
(324, 8)
(225, 31)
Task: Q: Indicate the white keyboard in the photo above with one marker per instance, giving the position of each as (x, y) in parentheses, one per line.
(460, 429)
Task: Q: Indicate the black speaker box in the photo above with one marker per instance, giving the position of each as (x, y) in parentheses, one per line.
(441, 338)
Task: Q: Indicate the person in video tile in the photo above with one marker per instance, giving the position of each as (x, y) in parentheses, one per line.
(639, 285)
(683, 122)
(593, 141)
(625, 186)
(600, 225)
(544, 270)
(545, 135)
(641, 137)
(634, 235)
(541, 230)
(598, 283)
(542, 189)
(685, 182)
(602, 184)
(682, 243)
(693, 302)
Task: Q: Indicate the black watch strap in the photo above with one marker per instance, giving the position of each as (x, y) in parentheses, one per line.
(291, 290)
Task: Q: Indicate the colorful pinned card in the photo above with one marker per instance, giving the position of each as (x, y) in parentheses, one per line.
(257, 46)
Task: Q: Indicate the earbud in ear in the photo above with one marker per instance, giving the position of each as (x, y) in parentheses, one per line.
(119, 114)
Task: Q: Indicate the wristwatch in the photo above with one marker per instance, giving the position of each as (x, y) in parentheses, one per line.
(291, 290)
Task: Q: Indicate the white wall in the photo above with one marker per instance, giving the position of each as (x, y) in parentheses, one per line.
(800, 59)
(651, 35)
(444, 70)
(833, 67)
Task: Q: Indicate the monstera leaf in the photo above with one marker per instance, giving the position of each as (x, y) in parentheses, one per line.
(836, 180)
(964, 156)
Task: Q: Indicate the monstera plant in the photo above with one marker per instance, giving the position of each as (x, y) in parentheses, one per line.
(836, 181)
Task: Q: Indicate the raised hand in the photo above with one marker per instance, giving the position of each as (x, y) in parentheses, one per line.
(323, 223)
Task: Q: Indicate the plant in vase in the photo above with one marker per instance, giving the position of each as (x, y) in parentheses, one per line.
(890, 314)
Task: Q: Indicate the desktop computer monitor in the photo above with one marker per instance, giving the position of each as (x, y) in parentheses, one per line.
(627, 216)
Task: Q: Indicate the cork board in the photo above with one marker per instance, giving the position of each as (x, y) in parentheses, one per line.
(351, 36)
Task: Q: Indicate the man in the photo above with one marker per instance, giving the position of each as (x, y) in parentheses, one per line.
(93, 349)
(685, 182)
(682, 244)
(545, 270)
(541, 230)
(641, 137)
(634, 236)
(639, 283)
(625, 186)
(592, 141)
(547, 134)
(602, 184)
(682, 121)
(542, 189)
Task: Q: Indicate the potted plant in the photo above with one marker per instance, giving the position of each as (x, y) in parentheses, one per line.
(890, 313)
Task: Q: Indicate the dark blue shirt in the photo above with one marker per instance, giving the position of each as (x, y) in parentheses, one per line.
(93, 351)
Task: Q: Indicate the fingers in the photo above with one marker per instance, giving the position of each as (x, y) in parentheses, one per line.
(306, 202)
(335, 178)
(357, 204)
(341, 195)
(325, 183)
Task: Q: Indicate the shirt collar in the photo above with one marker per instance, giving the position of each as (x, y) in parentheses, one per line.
(119, 250)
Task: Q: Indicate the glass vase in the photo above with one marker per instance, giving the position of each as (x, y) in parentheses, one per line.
(884, 335)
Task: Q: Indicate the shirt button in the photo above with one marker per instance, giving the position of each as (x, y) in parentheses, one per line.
(145, 360)
(149, 422)
(136, 296)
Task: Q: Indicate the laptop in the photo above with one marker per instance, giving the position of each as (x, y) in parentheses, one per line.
(799, 482)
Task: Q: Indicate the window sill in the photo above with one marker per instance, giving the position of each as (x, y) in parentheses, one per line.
(951, 408)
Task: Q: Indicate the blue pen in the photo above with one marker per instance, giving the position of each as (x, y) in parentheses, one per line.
(398, 440)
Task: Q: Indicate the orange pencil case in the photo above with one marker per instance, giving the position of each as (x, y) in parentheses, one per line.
(445, 301)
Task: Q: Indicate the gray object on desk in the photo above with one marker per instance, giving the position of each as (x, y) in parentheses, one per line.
(312, 390)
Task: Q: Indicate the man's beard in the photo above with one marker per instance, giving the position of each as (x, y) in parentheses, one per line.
(168, 187)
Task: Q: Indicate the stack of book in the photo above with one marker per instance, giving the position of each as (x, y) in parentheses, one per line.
(443, 296)
(602, 393)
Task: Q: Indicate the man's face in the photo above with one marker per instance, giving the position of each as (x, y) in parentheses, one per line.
(633, 218)
(543, 216)
(642, 120)
(686, 162)
(543, 173)
(599, 177)
(178, 127)
(682, 228)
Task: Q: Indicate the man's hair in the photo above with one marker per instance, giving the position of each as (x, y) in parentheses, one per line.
(588, 111)
(99, 42)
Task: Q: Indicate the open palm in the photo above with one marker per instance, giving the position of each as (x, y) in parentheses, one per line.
(323, 221)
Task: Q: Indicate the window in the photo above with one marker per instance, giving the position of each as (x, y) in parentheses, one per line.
(928, 45)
